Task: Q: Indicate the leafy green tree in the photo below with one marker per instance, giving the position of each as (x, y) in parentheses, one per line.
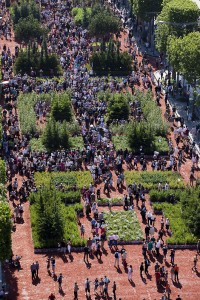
(24, 10)
(140, 134)
(146, 9)
(183, 53)
(61, 108)
(118, 107)
(175, 12)
(28, 29)
(49, 220)
(103, 24)
(111, 60)
(5, 231)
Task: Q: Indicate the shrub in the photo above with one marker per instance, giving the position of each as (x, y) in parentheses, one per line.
(82, 15)
(61, 109)
(52, 221)
(2, 172)
(150, 179)
(25, 9)
(111, 61)
(164, 196)
(118, 107)
(5, 230)
(55, 135)
(180, 231)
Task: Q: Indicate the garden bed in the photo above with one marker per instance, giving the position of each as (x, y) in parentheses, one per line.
(150, 179)
(180, 231)
(113, 201)
(125, 224)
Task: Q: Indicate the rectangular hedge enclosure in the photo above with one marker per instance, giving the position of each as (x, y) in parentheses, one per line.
(150, 179)
(125, 224)
(181, 233)
(54, 208)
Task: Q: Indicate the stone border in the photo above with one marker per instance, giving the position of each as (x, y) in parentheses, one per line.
(183, 247)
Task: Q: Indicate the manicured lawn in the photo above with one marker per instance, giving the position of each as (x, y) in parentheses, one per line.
(125, 224)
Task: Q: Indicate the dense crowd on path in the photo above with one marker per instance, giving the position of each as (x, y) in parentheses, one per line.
(73, 46)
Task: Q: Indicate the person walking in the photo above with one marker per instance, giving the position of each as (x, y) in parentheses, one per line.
(164, 251)
(69, 247)
(37, 266)
(101, 284)
(86, 254)
(172, 255)
(76, 288)
(176, 271)
(172, 273)
(33, 270)
(48, 264)
(60, 278)
(87, 287)
(53, 265)
(130, 272)
(114, 288)
(195, 260)
(116, 264)
(146, 266)
(141, 269)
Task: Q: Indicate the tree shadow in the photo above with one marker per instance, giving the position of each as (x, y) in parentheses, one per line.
(12, 283)
(149, 277)
(119, 270)
(88, 265)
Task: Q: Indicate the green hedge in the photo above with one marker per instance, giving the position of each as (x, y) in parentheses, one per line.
(82, 178)
(150, 179)
(52, 221)
(2, 172)
(111, 200)
(164, 196)
(181, 233)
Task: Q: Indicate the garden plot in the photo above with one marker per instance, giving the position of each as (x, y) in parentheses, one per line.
(125, 224)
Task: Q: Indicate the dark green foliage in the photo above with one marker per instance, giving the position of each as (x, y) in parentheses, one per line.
(61, 108)
(24, 10)
(111, 60)
(52, 221)
(104, 23)
(140, 134)
(5, 230)
(32, 58)
(164, 196)
(118, 107)
(146, 9)
(191, 209)
(55, 135)
(82, 16)
(2, 172)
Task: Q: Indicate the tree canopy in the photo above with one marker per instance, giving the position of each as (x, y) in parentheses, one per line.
(179, 12)
(146, 9)
(104, 23)
(5, 230)
(183, 53)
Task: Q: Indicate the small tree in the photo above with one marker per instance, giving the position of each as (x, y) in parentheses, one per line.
(5, 231)
(28, 29)
(61, 108)
(118, 107)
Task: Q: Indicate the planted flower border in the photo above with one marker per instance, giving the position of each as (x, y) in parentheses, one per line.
(150, 179)
(126, 225)
(113, 201)
(181, 235)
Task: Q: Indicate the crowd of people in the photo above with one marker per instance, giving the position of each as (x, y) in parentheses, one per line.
(73, 45)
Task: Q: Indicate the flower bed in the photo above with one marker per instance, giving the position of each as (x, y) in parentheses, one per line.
(114, 201)
(79, 178)
(180, 231)
(150, 179)
(125, 224)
